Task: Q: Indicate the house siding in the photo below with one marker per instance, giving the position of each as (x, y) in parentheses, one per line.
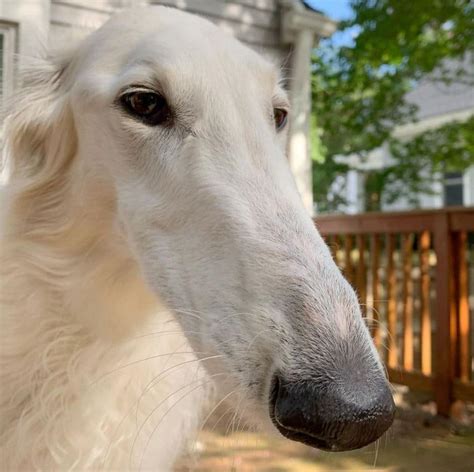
(438, 104)
(256, 23)
(74, 19)
(435, 98)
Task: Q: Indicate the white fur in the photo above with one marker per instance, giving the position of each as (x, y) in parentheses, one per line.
(129, 251)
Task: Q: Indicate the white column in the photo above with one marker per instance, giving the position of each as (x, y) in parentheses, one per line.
(468, 186)
(354, 199)
(299, 154)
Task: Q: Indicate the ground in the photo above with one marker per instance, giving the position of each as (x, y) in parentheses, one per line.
(416, 443)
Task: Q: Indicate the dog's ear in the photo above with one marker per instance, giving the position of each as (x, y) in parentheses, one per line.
(39, 133)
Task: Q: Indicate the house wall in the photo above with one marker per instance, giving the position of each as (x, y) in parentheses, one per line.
(436, 99)
(30, 22)
(438, 104)
(71, 20)
(255, 22)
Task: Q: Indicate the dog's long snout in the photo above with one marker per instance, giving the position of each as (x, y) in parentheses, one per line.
(331, 415)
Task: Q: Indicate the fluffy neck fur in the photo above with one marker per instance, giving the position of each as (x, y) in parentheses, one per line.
(85, 383)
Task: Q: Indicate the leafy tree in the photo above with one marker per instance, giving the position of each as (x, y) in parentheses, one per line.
(359, 95)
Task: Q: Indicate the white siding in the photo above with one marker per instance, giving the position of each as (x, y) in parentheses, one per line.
(256, 22)
(434, 98)
(74, 19)
(234, 11)
(30, 19)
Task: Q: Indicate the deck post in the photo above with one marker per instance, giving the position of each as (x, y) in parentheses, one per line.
(445, 334)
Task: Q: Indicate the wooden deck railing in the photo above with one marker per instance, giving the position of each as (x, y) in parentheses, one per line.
(414, 274)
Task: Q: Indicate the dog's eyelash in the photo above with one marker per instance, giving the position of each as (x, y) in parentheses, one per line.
(137, 88)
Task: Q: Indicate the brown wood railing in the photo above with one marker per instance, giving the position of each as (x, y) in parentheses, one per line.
(414, 273)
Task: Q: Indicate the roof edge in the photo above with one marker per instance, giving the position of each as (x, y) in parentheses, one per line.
(296, 16)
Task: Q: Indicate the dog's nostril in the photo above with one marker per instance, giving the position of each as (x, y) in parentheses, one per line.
(329, 417)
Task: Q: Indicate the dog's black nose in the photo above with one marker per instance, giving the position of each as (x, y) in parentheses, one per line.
(332, 415)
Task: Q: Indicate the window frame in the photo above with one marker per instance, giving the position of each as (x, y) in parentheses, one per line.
(453, 184)
(9, 32)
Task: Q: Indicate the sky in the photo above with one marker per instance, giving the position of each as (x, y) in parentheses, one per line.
(335, 9)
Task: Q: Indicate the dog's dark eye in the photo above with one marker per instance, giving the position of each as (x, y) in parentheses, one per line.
(280, 116)
(150, 107)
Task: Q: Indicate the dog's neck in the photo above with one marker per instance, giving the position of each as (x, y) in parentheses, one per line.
(79, 254)
(73, 302)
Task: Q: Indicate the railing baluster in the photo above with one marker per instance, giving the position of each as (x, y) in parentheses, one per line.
(425, 339)
(407, 247)
(392, 343)
(375, 261)
(463, 309)
(348, 269)
(338, 242)
(445, 334)
(330, 243)
(361, 279)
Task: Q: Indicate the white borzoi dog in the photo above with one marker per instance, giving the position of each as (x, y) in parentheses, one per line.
(154, 248)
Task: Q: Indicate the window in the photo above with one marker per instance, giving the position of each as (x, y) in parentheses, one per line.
(453, 188)
(7, 51)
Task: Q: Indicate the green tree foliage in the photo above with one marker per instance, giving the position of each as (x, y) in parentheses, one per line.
(359, 95)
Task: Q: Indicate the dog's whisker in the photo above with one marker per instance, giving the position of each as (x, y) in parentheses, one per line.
(222, 400)
(225, 413)
(164, 373)
(200, 385)
(153, 382)
(209, 415)
(157, 356)
(376, 455)
(165, 333)
(235, 429)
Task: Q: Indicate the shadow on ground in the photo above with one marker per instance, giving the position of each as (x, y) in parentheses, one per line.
(416, 443)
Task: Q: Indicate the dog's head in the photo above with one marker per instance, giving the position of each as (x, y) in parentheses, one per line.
(187, 129)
